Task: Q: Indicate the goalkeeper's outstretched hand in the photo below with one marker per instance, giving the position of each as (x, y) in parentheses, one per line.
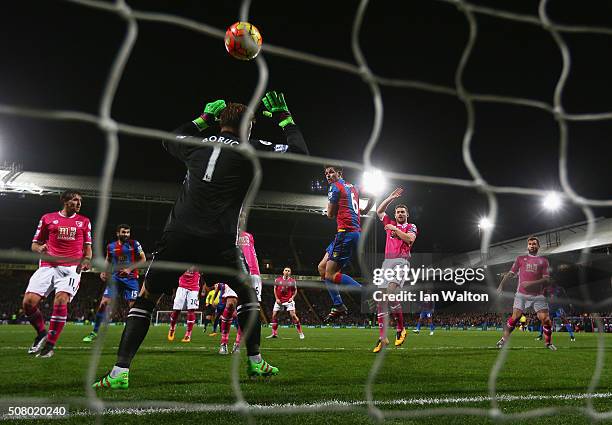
(277, 108)
(210, 114)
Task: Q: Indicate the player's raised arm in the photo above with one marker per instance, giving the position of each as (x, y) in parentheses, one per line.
(368, 207)
(207, 119)
(380, 211)
(276, 108)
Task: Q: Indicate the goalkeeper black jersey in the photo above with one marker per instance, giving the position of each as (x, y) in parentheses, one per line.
(217, 180)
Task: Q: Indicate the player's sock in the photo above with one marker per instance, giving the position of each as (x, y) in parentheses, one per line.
(274, 328)
(432, 327)
(256, 358)
(191, 317)
(298, 326)
(206, 322)
(547, 334)
(541, 331)
(216, 324)
(226, 324)
(35, 318)
(345, 279)
(58, 320)
(334, 293)
(173, 319)
(418, 328)
(135, 331)
(238, 336)
(382, 312)
(99, 319)
(248, 316)
(510, 323)
(116, 371)
(398, 315)
(569, 328)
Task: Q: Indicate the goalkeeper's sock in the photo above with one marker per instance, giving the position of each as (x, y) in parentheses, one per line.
(256, 358)
(248, 317)
(135, 331)
(116, 371)
(334, 293)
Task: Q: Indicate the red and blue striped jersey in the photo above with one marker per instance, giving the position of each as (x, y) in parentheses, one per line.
(346, 196)
(122, 255)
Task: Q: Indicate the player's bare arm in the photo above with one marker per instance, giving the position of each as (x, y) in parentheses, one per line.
(536, 283)
(38, 247)
(380, 211)
(506, 277)
(368, 206)
(86, 260)
(142, 259)
(107, 266)
(407, 237)
(332, 210)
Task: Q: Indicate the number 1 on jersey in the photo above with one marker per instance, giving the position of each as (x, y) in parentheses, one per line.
(212, 161)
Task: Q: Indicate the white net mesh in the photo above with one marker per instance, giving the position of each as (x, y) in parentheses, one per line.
(111, 128)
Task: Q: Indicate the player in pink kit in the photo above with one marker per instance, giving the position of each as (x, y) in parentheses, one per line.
(65, 234)
(400, 237)
(246, 242)
(534, 276)
(285, 290)
(230, 299)
(186, 298)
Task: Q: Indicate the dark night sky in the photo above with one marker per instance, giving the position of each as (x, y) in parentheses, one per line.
(59, 56)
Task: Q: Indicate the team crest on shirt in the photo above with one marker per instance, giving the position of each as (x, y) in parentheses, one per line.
(54, 222)
(79, 223)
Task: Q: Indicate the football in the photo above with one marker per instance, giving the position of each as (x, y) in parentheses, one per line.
(243, 41)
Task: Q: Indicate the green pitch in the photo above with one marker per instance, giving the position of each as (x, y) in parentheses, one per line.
(329, 368)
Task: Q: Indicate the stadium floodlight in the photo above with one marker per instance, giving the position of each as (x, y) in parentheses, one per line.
(485, 224)
(552, 201)
(373, 182)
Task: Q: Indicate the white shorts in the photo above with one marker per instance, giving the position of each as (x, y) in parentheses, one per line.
(256, 282)
(391, 264)
(186, 299)
(228, 292)
(60, 278)
(288, 306)
(523, 302)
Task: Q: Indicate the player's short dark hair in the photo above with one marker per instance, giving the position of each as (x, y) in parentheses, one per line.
(68, 194)
(335, 167)
(232, 115)
(401, 206)
(122, 226)
(533, 238)
(287, 267)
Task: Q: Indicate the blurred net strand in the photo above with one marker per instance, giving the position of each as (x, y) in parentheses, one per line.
(111, 128)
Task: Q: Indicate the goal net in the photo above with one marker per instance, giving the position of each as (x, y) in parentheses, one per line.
(139, 26)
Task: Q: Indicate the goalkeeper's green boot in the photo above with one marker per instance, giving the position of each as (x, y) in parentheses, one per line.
(263, 368)
(119, 383)
(90, 337)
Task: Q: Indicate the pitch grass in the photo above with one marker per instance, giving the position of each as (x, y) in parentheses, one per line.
(330, 364)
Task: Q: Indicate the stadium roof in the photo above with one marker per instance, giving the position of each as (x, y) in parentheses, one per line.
(553, 241)
(13, 180)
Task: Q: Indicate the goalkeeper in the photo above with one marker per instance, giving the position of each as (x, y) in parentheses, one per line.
(202, 226)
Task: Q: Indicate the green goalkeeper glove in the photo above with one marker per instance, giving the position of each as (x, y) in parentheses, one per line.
(210, 114)
(277, 108)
